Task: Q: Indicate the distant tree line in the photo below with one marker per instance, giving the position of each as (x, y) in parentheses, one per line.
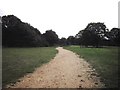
(16, 33)
(95, 35)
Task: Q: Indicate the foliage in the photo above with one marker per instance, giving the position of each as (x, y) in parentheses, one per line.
(71, 40)
(97, 34)
(93, 34)
(114, 36)
(19, 34)
(51, 37)
(63, 41)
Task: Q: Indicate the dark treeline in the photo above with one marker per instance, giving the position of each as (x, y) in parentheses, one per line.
(97, 34)
(16, 33)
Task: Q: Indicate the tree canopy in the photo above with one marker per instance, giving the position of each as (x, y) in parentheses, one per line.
(19, 34)
(16, 33)
(114, 36)
(51, 37)
(97, 34)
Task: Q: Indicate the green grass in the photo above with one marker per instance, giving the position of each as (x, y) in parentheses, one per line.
(104, 60)
(16, 62)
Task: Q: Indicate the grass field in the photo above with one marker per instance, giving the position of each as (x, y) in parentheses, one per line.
(17, 62)
(104, 60)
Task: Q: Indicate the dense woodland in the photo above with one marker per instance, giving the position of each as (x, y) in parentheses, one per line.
(16, 33)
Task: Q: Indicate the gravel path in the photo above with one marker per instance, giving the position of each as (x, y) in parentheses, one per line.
(66, 70)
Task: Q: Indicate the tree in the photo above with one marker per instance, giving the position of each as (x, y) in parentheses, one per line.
(78, 37)
(19, 34)
(89, 39)
(71, 40)
(63, 41)
(114, 36)
(93, 34)
(51, 37)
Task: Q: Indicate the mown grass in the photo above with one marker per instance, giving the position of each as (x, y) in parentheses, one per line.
(104, 60)
(16, 62)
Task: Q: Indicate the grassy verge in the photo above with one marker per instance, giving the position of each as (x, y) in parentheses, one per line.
(17, 62)
(104, 60)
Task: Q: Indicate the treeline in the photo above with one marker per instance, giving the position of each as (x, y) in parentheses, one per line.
(16, 33)
(96, 35)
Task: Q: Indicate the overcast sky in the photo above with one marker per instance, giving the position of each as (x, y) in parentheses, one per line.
(65, 17)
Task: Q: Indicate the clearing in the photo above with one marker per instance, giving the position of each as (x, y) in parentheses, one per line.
(66, 70)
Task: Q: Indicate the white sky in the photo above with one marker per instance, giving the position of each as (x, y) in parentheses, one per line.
(65, 17)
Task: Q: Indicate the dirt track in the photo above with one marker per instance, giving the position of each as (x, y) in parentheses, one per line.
(66, 70)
